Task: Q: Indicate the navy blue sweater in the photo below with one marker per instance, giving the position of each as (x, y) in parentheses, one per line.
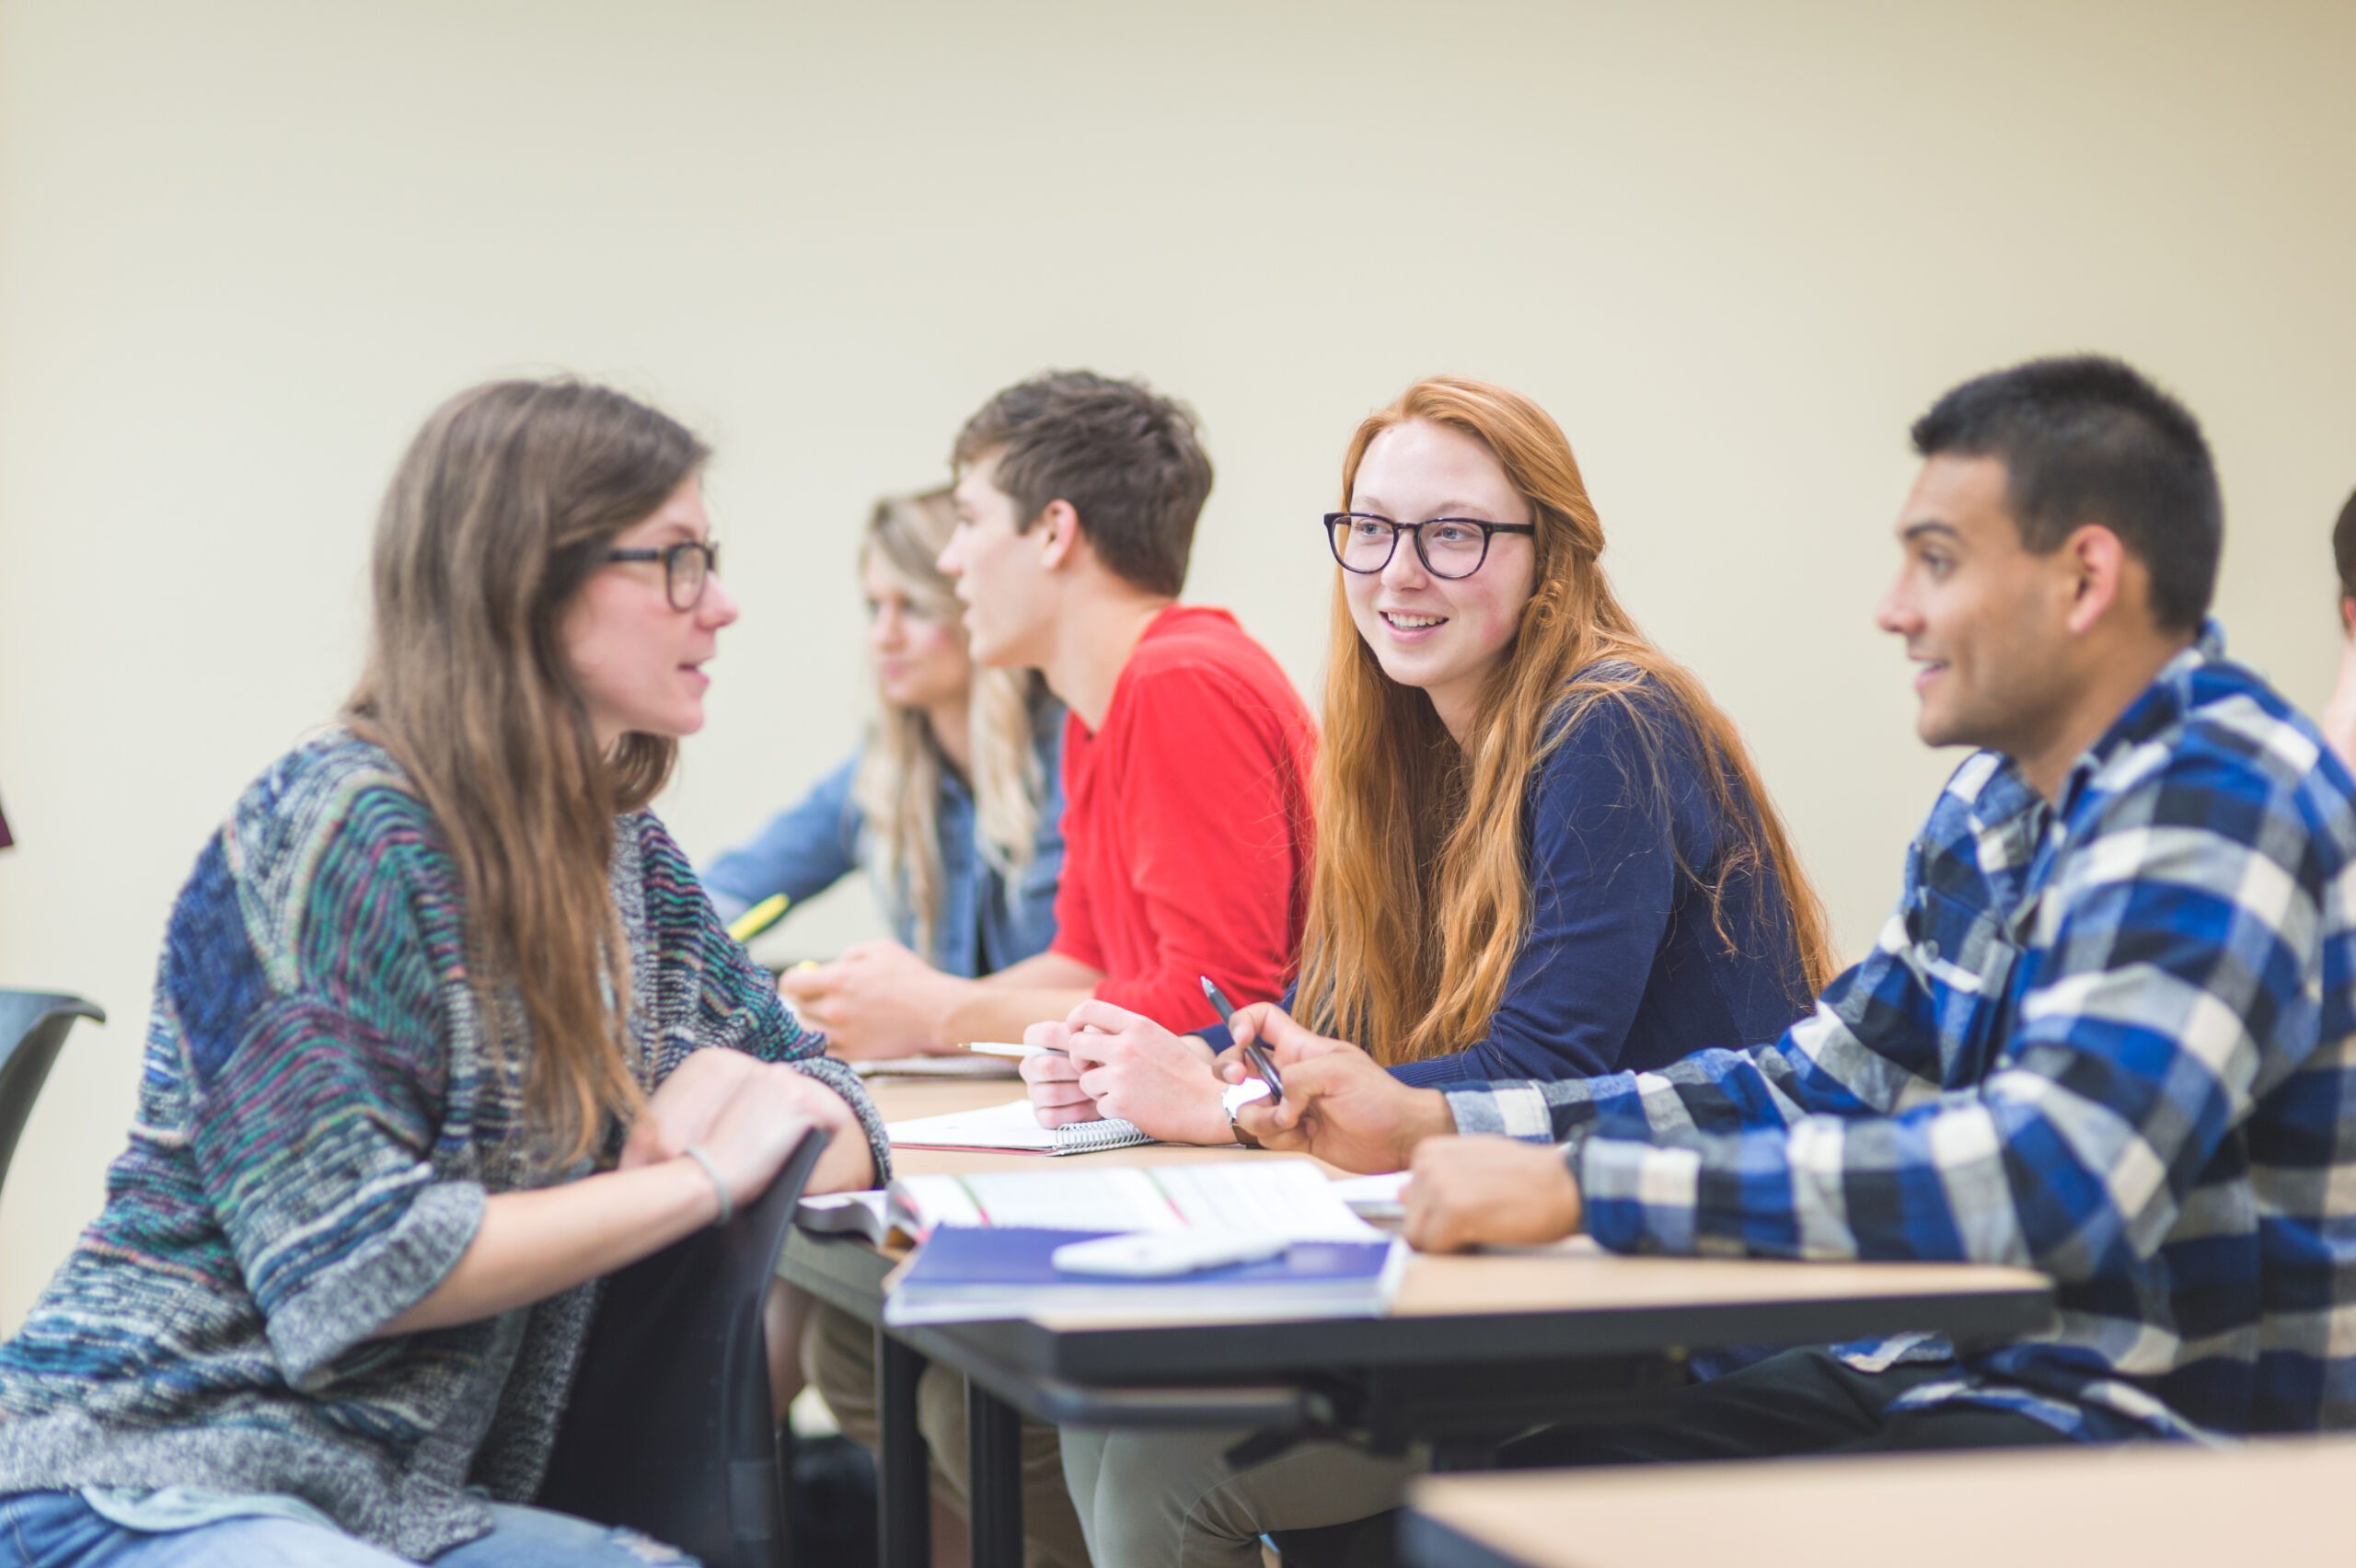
(1623, 968)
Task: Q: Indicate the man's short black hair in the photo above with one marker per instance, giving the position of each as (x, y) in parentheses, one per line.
(2343, 547)
(1127, 460)
(2087, 439)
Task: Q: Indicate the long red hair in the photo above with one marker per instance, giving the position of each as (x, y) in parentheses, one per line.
(1420, 839)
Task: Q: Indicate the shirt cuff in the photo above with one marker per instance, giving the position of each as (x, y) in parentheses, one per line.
(1515, 1110)
(348, 1301)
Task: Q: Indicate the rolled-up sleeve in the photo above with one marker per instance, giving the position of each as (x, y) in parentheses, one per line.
(319, 1070)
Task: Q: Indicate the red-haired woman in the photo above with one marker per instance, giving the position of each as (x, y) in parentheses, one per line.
(1542, 852)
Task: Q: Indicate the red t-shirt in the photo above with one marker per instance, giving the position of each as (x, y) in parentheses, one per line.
(1187, 828)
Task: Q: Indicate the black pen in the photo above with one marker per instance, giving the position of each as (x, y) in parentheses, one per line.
(1226, 1010)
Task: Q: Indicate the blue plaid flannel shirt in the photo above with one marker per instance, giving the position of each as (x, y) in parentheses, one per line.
(2112, 1039)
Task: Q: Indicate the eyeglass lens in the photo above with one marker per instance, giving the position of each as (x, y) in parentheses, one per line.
(1449, 549)
(685, 567)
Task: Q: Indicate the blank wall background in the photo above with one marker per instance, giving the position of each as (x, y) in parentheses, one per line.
(245, 247)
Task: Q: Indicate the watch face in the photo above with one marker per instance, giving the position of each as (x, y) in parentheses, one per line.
(1236, 1096)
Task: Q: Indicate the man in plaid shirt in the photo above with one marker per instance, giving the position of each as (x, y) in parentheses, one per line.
(2109, 1032)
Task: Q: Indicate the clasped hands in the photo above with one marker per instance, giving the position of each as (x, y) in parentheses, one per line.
(747, 1114)
(1338, 1105)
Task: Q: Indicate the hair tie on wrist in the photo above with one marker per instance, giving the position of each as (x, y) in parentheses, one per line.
(727, 1204)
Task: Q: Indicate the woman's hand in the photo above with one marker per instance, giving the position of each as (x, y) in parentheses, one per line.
(682, 1109)
(1465, 1190)
(877, 1000)
(702, 1091)
(1338, 1104)
(1126, 1064)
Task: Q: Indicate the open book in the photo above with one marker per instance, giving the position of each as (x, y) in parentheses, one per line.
(989, 1240)
(1291, 1198)
(1014, 1126)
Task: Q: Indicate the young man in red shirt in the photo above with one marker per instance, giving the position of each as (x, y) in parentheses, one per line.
(1187, 762)
(1076, 497)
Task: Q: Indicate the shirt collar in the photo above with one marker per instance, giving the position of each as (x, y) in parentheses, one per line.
(2161, 707)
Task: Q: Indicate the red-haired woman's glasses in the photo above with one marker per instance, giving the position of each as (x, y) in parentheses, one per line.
(686, 567)
(1448, 547)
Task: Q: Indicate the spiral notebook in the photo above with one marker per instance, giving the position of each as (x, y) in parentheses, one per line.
(1012, 1127)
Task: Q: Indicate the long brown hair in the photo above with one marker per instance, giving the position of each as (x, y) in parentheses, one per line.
(501, 510)
(898, 787)
(1418, 837)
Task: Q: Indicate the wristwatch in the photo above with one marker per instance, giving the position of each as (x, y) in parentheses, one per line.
(1234, 1098)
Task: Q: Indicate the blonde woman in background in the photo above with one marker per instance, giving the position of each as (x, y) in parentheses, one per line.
(953, 804)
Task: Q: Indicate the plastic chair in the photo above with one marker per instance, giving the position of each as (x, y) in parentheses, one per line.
(669, 1430)
(32, 1029)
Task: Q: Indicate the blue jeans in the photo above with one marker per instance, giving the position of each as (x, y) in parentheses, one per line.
(58, 1529)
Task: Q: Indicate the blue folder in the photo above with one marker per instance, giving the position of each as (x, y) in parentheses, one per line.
(965, 1274)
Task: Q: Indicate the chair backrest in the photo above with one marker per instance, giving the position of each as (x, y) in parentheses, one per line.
(669, 1430)
(32, 1029)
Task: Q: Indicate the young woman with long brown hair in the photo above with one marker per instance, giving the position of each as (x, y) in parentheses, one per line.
(1542, 850)
(422, 979)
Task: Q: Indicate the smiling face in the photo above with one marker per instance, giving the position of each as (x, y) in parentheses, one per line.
(1444, 636)
(1986, 620)
(636, 661)
(1001, 575)
(919, 650)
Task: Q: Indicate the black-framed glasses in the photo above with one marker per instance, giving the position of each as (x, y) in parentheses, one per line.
(686, 567)
(1448, 547)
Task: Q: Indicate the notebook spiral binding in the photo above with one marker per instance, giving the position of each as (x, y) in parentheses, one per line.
(1087, 1137)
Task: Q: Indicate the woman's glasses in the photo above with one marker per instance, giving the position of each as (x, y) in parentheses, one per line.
(1448, 547)
(686, 567)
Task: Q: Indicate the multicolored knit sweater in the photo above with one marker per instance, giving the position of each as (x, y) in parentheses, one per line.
(319, 1123)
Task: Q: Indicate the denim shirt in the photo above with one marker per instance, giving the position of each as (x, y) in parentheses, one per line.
(983, 925)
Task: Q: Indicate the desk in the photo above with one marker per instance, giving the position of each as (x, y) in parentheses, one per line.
(2156, 1505)
(1473, 1348)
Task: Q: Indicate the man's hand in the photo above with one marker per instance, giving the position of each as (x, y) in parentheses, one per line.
(1465, 1190)
(1053, 1082)
(877, 1000)
(1338, 1104)
(1124, 1063)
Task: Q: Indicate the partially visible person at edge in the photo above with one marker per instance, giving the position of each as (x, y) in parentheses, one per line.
(2339, 715)
(1187, 763)
(434, 966)
(953, 802)
(1542, 851)
(2110, 1031)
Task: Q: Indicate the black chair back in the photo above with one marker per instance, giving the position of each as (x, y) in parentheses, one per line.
(669, 1430)
(32, 1029)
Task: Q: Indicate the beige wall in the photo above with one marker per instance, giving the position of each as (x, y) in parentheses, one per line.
(244, 246)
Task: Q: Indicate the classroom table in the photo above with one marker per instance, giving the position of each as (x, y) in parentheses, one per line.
(2152, 1505)
(1473, 1347)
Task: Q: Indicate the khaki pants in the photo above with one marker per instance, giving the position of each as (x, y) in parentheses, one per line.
(838, 1354)
(1167, 1499)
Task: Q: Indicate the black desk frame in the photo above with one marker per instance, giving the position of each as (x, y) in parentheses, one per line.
(1463, 1383)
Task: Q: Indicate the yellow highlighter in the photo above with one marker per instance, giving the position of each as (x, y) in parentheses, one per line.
(759, 917)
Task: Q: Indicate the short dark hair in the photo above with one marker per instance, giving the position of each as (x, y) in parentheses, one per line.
(1127, 460)
(2087, 439)
(2343, 547)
